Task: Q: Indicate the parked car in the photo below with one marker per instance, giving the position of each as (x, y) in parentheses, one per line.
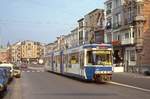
(10, 68)
(147, 72)
(3, 80)
(8, 73)
(17, 72)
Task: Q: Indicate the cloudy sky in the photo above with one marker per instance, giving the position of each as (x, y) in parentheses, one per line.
(41, 20)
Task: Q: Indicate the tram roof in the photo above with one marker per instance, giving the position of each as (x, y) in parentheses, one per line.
(76, 49)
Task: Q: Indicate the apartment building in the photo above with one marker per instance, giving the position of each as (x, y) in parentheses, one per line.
(129, 32)
(16, 52)
(94, 31)
(31, 51)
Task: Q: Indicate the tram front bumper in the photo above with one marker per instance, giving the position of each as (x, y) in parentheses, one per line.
(103, 77)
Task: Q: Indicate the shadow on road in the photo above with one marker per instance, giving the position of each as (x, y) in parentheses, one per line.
(79, 79)
(3, 94)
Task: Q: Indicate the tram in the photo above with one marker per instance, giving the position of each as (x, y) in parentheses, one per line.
(91, 62)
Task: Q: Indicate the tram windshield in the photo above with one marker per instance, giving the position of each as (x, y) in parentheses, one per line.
(99, 57)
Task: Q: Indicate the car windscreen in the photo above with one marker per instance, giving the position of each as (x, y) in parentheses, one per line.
(7, 68)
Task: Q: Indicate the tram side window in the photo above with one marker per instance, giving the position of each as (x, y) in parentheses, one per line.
(73, 58)
(58, 59)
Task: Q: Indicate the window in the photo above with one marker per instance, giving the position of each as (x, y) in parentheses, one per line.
(58, 59)
(126, 35)
(129, 14)
(117, 3)
(118, 38)
(80, 24)
(115, 36)
(132, 55)
(117, 20)
(101, 57)
(73, 58)
(133, 35)
(109, 7)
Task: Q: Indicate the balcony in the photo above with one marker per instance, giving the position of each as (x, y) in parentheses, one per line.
(108, 11)
(139, 18)
(127, 41)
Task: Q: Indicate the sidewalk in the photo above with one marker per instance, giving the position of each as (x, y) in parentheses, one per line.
(133, 79)
(133, 75)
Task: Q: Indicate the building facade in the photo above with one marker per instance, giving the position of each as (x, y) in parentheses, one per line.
(27, 51)
(129, 30)
(16, 52)
(31, 51)
(94, 26)
(74, 37)
(81, 31)
(4, 55)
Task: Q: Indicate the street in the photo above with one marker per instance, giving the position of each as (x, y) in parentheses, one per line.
(35, 84)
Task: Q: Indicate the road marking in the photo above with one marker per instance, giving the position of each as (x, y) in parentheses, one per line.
(129, 86)
(144, 77)
(28, 71)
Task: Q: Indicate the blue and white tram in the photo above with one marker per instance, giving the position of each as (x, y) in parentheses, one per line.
(89, 62)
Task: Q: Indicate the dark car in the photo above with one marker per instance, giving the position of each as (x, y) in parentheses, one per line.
(147, 72)
(3, 80)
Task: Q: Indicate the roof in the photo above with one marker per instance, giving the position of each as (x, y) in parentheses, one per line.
(108, 1)
(95, 11)
(80, 19)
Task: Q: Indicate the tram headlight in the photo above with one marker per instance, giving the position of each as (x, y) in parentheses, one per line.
(96, 72)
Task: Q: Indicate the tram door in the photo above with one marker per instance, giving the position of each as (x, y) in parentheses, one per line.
(61, 62)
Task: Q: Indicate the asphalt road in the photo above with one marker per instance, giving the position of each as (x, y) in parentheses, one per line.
(132, 79)
(45, 85)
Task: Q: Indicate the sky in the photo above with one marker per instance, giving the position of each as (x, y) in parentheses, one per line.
(41, 20)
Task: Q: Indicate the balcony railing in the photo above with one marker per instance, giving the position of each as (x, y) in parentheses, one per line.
(139, 18)
(127, 41)
(108, 11)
